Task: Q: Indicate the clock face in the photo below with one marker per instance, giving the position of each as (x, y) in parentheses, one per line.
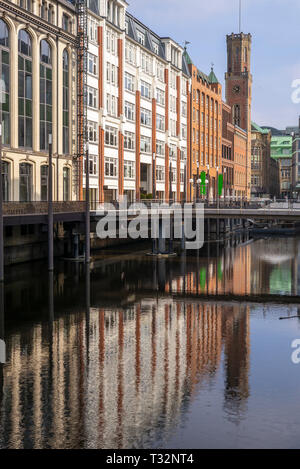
(236, 89)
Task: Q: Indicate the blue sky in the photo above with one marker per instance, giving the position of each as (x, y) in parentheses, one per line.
(274, 25)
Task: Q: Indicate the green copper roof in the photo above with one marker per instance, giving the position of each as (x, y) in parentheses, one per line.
(281, 146)
(209, 79)
(256, 128)
(212, 77)
(285, 140)
(187, 58)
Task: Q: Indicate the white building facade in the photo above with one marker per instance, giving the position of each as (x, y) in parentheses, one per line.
(138, 88)
(38, 56)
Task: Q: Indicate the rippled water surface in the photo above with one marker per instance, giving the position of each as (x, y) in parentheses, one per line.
(156, 353)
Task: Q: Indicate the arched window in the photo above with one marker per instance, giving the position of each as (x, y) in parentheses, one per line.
(66, 184)
(66, 102)
(6, 180)
(44, 182)
(43, 10)
(25, 180)
(4, 84)
(25, 89)
(236, 115)
(45, 94)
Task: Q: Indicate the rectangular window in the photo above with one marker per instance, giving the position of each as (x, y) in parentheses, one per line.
(160, 148)
(129, 141)
(160, 122)
(111, 136)
(92, 132)
(66, 22)
(145, 144)
(111, 105)
(92, 31)
(160, 71)
(160, 173)
(110, 167)
(92, 64)
(93, 166)
(173, 151)
(160, 97)
(145, 90)
(145, 117)
(182, 176)
(155, 47)
(129, 111)
(146, 63)
(92, 96)
(129, 169)
(129, 82)
(173, 127)
(141, 38)
(130, 53)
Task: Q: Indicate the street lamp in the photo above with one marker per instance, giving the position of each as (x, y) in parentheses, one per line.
(153, 177)
(87, 205)
(208, 182)
(191, 181)
(224, 184)
(1, 213)
(50, 208)
(170, 183)
(217, 187)
(185, 180)
(198, 183)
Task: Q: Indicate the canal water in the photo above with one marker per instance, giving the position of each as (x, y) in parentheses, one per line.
(143, 352)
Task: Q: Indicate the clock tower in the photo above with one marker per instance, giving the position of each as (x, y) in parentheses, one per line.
(238, 80)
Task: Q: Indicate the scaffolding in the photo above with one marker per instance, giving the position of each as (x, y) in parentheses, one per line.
(82, 50)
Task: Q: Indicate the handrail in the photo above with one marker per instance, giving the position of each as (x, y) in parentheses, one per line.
(39, 208)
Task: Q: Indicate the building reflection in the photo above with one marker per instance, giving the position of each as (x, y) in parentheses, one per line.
(119, 378)
(114, 358)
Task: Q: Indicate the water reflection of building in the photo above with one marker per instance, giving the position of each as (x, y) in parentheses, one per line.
(236, 332)
(230, 273)
(122, 380)
(275, 266)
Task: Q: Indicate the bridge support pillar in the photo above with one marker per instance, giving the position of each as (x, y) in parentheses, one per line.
(75, 245)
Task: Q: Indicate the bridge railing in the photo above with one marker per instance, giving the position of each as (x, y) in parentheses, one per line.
(241, 204)
(40, 208)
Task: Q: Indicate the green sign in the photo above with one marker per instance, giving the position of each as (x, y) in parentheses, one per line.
(220, 184)
(202, 183)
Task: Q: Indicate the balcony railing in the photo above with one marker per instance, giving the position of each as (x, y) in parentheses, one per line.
(40, 208)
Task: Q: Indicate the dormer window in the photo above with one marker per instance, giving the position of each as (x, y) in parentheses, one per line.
(126, 27)
(175, 56)
(141, 38)
(113, 12)
(155, 47)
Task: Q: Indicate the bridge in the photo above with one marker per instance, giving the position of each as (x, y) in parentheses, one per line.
(18, 213)
(254, 210)
(30, 213)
